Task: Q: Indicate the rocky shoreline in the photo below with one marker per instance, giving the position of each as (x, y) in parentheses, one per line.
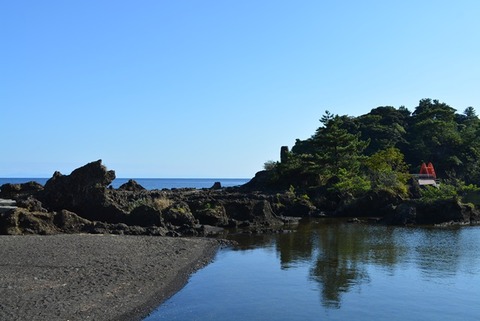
(85, 202)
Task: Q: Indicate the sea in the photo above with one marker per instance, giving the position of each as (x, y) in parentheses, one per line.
(152, 183)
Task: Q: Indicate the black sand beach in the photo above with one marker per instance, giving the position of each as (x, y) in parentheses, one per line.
(94, 277)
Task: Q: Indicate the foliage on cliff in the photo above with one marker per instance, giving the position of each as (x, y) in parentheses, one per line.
(378, 150)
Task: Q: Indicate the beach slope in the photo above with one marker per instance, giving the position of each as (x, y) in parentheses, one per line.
(94, 277)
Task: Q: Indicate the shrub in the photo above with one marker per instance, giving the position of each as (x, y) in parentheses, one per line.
(444, 191)
(162, 203)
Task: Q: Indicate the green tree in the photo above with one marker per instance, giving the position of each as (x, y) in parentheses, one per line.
(469, 130)
(387, 170)
(385, 127)
(335, 148)
(434, 136)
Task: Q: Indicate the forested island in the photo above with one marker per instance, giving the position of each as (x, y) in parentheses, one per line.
(378, 151)
(350, 161)
(360, 167)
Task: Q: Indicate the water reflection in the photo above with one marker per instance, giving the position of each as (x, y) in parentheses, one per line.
(339, 253)
(334, 270)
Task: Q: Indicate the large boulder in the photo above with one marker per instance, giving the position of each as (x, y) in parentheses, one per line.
(212, 214)
(144, 215)
(131, 186)
(69, 222)
(250, 209)
(84, 192)
(179, 214)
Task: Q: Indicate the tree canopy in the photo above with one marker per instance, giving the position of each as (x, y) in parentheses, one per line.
(381, 148)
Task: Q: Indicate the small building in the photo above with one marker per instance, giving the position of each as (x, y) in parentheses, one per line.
(427, 176)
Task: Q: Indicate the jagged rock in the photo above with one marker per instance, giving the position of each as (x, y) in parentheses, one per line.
(269, 180)
(19, 191)
(250, 210)
(216, 185)
(212, 214)
(69, 222)
(145, 216)
(21, 221)
(179, 214)
(32, 204)
(131, 186)
(260, 180)
(262, 212)
(84, 192)
(301, 208)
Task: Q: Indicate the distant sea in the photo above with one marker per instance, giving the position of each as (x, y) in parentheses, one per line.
(152, 183)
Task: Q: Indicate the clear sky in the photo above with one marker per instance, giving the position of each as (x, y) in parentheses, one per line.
(205, 88)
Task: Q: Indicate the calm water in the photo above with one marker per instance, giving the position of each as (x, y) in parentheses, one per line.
(152, 183)
(330, 270)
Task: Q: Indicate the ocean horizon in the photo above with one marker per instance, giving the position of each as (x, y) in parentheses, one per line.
(147, 183)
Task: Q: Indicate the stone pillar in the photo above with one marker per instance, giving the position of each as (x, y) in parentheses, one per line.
(284, 154)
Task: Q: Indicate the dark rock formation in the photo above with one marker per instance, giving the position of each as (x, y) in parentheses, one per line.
(404, 214)
(19, 191)
(23, 221)
(67, 221)
(216, 185)
(212, 214)
(84, 192)
(433, 212)
(375, 203)
(414, 188)
(132, 186)
(284, 154)
(179, 214)
(145, 216)
(272, 181)
(31, 203)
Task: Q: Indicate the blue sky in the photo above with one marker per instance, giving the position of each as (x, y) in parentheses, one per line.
(214, 88)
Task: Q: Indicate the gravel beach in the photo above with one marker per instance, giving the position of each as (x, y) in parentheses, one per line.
(94, 277)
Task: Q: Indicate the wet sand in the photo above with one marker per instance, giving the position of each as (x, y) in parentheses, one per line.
(94, 277)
